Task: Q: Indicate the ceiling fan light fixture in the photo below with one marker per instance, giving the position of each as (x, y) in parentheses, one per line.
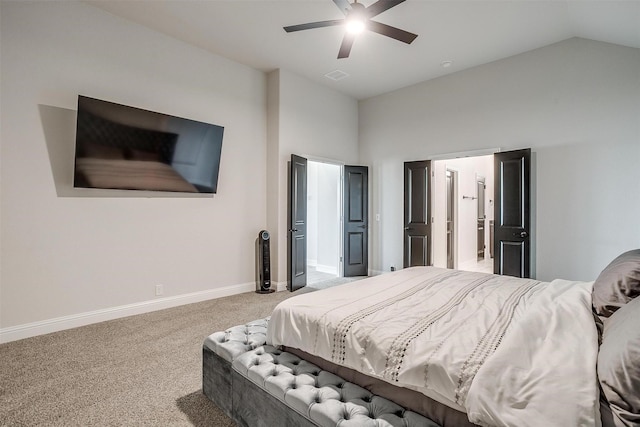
(356, 20)
(355, 26)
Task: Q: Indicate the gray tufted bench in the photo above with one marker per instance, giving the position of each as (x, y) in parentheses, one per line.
(258, 385)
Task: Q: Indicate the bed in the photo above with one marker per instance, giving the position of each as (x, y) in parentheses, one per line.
(466, 348)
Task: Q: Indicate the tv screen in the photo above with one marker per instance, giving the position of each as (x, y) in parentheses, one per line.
(122, 147)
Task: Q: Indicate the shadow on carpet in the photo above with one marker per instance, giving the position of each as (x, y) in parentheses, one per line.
(202, 412)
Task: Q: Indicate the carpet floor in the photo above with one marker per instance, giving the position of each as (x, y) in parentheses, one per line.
(143, 370)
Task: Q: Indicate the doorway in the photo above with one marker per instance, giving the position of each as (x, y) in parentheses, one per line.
(337, 222)
(324, 223)
(460, 212)
(425, 209)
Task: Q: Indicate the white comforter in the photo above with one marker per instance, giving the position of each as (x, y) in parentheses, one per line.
(507, 351)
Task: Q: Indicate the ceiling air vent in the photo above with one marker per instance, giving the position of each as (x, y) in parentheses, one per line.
(336, 75)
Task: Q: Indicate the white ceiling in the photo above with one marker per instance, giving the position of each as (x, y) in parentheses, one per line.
(466, 32)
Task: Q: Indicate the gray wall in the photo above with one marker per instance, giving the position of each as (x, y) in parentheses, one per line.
(575, 103)
(72, 257)
(79, 256)
(310, 120)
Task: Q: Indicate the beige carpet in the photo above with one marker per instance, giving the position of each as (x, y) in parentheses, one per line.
(143, 370)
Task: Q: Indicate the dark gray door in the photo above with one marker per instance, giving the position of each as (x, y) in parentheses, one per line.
(356, 224)
(451, 184)
(481, 217)
(297, 216)
(417, 213)
(512, 213)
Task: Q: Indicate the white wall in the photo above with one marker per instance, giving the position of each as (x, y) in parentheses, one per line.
(312, 213)
(314, 122)
(329, 242)
(323, 216)
(575, 103)
(66, 252)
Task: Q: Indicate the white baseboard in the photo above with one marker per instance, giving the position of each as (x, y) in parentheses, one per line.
(14, 333)
(281, 286)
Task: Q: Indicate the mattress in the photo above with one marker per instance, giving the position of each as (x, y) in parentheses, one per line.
(498, 348)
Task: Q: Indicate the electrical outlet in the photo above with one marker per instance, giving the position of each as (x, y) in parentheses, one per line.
(159, 290)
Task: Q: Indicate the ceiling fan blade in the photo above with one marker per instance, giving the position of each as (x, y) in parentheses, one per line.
(345, 47)
(312, 25)
(343, 5)
(393, 32)
(380, 6)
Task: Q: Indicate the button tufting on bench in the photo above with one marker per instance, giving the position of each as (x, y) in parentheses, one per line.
(324, 398)
(236, 340)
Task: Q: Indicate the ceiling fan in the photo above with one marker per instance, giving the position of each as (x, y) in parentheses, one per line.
(358, 18)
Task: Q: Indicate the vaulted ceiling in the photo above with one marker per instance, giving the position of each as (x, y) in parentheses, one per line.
(457, 33)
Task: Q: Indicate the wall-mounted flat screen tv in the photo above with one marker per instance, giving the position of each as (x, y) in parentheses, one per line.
(127, 148)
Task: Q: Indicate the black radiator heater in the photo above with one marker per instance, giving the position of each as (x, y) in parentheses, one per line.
(263, 264)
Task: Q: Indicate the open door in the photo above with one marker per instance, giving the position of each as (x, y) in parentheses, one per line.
(512, 245)
(297, 239)
(356, 224)
(451, 217)
(480, 189)
(417, 213)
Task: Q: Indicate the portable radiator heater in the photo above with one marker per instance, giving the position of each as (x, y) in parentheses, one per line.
(263, 263)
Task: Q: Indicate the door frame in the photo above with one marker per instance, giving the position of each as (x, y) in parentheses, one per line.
(340, 252)
(481, 153)
(341, 272)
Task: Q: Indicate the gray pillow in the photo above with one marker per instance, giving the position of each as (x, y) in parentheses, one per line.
(619, 366)
(617, 284)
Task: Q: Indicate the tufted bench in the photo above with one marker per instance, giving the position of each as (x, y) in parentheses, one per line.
(259, 385)
(238, 339)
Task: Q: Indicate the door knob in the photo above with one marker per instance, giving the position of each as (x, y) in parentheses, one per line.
(407, 228)
(522, 234)
(293, 230)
